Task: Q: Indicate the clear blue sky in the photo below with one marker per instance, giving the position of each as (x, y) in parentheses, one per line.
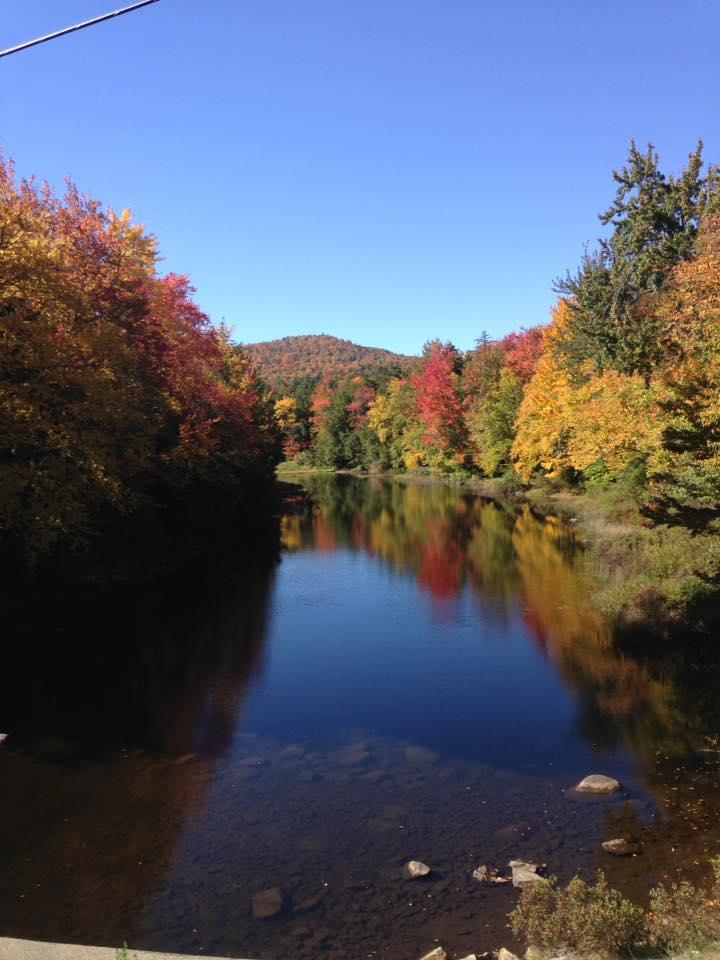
(383, 170)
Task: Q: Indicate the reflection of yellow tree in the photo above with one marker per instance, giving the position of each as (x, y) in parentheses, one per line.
(642, 710)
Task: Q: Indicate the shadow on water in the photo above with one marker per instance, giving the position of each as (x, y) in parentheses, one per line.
(422, 676)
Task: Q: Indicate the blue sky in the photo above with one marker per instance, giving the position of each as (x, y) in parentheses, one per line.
(383, 170)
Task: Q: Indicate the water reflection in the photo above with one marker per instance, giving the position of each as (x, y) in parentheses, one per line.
(119, 703)
(423, 675)
(654, 702)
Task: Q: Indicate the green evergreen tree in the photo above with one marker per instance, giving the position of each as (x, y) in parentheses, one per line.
(654, 221)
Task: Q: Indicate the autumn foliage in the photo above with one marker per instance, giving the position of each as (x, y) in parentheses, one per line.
(117, 395)
(282, 362)
(620, 388)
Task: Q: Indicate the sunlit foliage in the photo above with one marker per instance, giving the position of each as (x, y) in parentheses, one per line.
(115, 391)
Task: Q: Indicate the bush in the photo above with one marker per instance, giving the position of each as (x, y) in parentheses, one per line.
(585, 917)
(683, 917)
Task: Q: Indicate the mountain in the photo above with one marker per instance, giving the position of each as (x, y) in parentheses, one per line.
(317, 355)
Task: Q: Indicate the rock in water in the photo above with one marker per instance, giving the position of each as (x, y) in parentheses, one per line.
(599, 784)
(621, 847)
(482, 874)
(504, 954)
(415, 869)
(268, 903)
(3, 737)
(437, 954)
(525, 873)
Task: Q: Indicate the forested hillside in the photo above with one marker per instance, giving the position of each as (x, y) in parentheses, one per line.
(289, 359)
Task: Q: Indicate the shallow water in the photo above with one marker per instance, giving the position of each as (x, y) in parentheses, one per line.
(422, 676)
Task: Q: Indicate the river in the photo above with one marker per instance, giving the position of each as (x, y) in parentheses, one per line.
(422, 675)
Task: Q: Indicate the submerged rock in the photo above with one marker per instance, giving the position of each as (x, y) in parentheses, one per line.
(599, 784)
(415, 869)
(621, 847)
(311, 903)
(420, 755)
(268, 903)
(514, 832)
(437, 954)
(354, 755)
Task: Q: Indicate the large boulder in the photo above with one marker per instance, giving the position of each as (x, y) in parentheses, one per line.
(599, 784)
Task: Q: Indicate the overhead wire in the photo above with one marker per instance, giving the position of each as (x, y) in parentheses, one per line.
(75, 27)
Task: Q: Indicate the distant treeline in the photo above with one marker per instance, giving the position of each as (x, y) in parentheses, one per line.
(622, 387)
(117, 396)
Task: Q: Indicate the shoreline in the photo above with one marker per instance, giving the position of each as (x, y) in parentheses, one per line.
(658, 578)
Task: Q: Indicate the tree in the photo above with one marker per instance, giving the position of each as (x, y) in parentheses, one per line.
(546, 412)
(393, 417)
(439, 402)
(654, 221)
(685, 473)
(116, 392)
(491, 424)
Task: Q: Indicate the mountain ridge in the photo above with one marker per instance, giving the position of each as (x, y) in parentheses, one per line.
(319, 354)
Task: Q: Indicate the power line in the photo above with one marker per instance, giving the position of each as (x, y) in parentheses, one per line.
(78, 26)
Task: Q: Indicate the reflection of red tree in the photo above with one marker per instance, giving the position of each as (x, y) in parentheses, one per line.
(325, 540)
(360, 533)
(441, 565)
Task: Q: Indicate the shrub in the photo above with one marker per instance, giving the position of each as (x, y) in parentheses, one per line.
(584, 917)
(683, 916)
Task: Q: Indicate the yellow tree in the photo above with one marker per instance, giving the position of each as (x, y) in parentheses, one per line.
(616, 422)
(546, 412)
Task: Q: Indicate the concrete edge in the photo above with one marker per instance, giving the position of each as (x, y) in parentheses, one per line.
(12, 949)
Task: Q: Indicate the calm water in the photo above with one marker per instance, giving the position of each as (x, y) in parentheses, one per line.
(420, 677)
